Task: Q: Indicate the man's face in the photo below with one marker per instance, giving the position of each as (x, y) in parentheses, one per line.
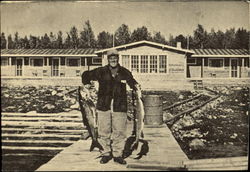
(113, 60)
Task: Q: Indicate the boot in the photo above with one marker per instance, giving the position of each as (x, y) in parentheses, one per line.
(105, 159)
(120, 160)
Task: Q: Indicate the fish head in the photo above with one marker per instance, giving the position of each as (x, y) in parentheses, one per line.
(84, 93)
(139, 93)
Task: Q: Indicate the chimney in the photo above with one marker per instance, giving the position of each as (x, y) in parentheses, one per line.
(178, 44)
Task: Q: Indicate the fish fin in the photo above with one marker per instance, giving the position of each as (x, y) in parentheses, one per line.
(95, 144)
(144, 149)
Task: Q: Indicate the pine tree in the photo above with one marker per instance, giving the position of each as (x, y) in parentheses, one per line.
(122, 35)
(11, 43)
(159, 38)
(140, 34)
(59, 40)
(3, 41)
(87, 37)
(74, 37)
(104, 40)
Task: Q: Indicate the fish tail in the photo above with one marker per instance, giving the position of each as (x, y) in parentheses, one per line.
(95, 144)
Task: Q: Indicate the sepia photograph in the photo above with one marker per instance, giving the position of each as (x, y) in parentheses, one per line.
(125, 85)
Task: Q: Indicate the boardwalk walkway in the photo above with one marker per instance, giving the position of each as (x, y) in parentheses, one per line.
(164, 154)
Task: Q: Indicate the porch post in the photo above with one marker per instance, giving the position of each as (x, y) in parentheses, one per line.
(242, 66)
(202, 65)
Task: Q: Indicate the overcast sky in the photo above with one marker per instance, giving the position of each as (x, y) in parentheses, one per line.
(174, 18)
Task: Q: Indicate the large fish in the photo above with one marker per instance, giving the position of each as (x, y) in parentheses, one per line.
(137, 135)
(139, 119)
(89, 116)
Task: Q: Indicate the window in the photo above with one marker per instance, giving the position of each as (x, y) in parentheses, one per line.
(135, 63)
(36, 62)
(62, 61)
(144, 64)
(125, 61)
(216, 63)
(163, 64)
(74, 62)
(97, 60)
(4, 61)
(153, 64)
(246, 62)
(26, 61)
(191, 61)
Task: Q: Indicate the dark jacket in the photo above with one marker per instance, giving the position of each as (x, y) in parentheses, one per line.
(111, 88)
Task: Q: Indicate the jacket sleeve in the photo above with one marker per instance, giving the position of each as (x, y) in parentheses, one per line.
(92, 75)
(130, 80)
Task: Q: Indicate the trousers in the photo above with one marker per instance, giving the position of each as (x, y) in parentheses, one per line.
(112, 128)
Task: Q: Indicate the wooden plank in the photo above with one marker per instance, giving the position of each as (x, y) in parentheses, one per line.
(42, 124)
(155, 166)
(217, 160)
(44, 130)
(41, 135)
(30, 148)
(42, 115)
(40, 119)
(78, 113)
(37, 141)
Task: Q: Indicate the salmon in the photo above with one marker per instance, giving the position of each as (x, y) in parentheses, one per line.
(137, 137)
(89, 117)
(139, 119)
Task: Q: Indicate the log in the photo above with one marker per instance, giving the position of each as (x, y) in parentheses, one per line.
(182, 102)
(191, 109)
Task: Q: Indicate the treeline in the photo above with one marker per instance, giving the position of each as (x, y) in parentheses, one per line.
(85, 38)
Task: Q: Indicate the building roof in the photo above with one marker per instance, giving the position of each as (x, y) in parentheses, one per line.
(221, 53)
(148, 43)
(49, 52)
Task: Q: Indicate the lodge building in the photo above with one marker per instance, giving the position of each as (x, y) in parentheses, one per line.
(148, 61)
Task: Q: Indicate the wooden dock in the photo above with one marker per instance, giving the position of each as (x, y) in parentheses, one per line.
(164, 154)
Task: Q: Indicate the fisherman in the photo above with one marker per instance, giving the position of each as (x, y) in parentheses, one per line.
(111, 105)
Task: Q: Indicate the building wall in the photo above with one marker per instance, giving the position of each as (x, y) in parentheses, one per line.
(176, 66)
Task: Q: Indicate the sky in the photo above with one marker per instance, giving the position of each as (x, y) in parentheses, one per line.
(181, 17)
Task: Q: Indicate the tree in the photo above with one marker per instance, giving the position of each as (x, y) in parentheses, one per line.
(11, 44)
(24, 43)
(140, 34)
(53, 40)
(200, 37)
(17, 41)
(45, 41)
(104, 40)
(87, 37)
(74, 37)
(159, 38)
(3, 41)
(32, 41)
(122, 35)
(172, 41)
(241, 39)
(67, 43)
(182, 39)
(59, 40)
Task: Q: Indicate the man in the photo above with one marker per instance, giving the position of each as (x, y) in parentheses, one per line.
(111, 105)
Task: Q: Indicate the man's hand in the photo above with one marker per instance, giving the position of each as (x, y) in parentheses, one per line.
(85, 90)
(138, 87)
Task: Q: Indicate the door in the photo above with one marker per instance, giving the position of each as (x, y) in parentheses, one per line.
(234, 68)
(55, 67)
(19, 67)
